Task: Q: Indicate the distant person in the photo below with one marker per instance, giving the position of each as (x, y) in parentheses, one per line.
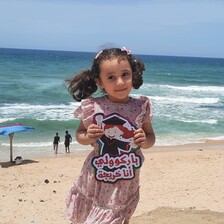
(68, 139)
(56, 142)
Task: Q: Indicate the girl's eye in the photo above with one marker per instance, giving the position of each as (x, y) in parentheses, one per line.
(125, 74)
(111, 77)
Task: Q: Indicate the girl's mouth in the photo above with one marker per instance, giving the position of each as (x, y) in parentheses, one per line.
(120, 90)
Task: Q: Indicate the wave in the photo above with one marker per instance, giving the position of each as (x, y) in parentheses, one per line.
(183, 99)
(2, 120)
(205, 89)
(168, 141)
(209, 121)
(60, 112)
(194, 100)
(30, 144)
(213, 89)
(65, 112)
(219, 138)
(35, 144)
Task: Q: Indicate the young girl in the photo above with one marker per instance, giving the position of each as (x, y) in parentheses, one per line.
(107, 190)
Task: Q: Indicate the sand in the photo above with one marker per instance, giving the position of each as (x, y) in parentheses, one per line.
(179, 185)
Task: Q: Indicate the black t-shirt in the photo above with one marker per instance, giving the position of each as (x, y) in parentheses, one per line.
(67, 139)
(56, 139)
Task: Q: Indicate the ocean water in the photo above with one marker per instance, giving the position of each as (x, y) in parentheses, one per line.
(187, 95)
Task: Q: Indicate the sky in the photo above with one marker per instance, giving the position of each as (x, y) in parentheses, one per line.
(152, 27)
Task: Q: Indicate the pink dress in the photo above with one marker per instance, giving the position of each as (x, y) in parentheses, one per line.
(91, 200)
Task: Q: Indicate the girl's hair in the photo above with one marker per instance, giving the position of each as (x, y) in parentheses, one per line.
(83, 84)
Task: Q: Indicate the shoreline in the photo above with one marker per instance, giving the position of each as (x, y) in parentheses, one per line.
(77, 150)
(177, 185)
(208, 144)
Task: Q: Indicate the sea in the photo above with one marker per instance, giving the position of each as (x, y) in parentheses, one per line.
(187, 95)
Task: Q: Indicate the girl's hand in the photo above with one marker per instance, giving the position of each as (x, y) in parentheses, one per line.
(140, 137)
(94, 132)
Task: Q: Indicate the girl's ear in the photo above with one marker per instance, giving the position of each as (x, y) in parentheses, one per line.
(99, 83)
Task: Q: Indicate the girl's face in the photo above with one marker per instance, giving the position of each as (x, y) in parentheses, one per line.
(116, 79)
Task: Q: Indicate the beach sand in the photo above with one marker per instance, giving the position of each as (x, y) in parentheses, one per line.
(179, 185)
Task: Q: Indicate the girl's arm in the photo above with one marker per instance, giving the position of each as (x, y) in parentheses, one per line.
(145, 136)
(88, 136)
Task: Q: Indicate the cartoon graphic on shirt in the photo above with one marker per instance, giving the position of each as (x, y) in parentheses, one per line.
(117, 158)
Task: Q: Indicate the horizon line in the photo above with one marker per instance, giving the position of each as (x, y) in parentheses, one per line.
(143, 54)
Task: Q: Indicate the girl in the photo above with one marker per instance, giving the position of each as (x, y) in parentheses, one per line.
(107, 190)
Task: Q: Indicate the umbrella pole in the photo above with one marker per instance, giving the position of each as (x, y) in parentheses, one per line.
(10, 138)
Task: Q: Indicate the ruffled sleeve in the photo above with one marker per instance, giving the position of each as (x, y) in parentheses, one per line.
(146, 111)
(86, 111)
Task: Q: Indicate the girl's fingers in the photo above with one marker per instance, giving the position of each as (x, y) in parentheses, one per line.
(139, 137)
(140, 141)
(94, 132)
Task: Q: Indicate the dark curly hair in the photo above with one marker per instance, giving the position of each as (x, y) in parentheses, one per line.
(83, 84)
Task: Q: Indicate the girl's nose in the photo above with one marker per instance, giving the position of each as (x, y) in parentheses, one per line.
(120, 81)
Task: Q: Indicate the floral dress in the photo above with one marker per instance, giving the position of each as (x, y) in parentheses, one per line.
(109, 195)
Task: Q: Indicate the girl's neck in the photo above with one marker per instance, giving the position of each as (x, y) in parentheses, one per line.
(124, 101)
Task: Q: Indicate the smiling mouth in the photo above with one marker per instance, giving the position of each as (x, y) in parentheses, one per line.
(120, 90)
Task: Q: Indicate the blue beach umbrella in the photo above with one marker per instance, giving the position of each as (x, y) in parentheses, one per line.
(10, 130)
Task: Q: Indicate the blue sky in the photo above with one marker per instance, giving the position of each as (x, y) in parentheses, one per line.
(154, 27)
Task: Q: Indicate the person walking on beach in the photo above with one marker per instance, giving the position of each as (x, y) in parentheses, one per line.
(68, 140)
(107, 190)
(56, 142)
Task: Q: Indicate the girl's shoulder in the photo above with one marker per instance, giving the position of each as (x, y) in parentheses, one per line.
(141, 100)
(143, 103)
(87, 106)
